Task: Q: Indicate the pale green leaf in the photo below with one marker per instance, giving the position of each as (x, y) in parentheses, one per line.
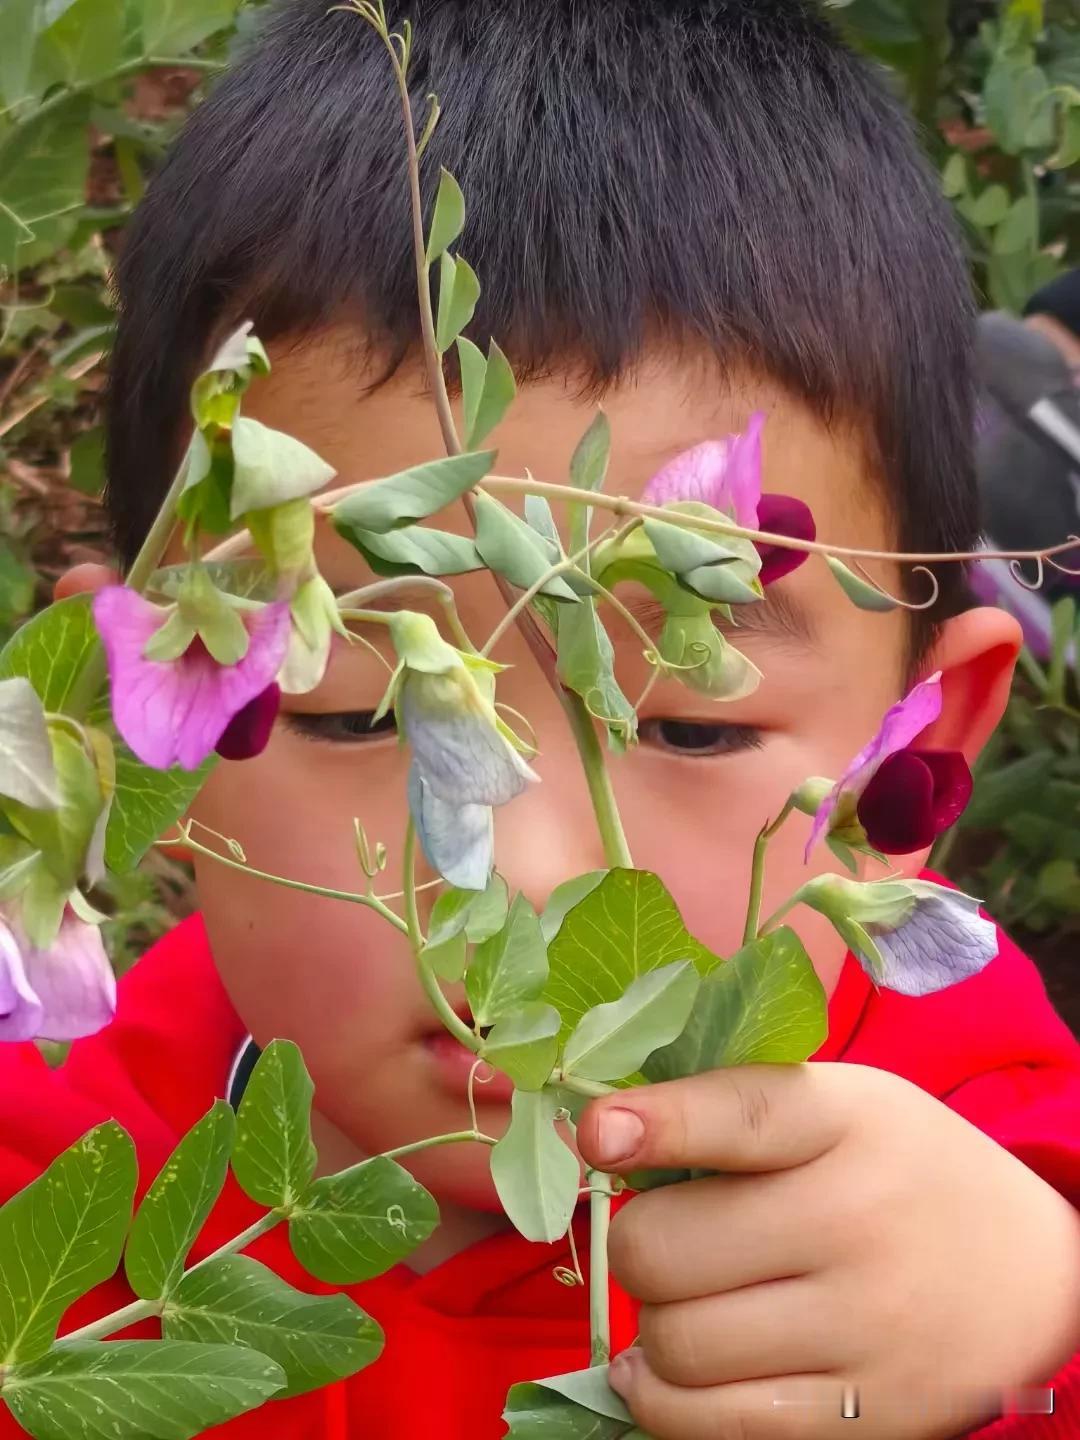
(270, 468)
(628, 926)
(83, 43)
(459, 290)
(990, 208)
(586, 665)
(413, 550)
(473, 368)
(18, 35)
(563, 899)
(954, 175)
(169, 27)
(61, 1236)
(138, 1390)
(354, 1226)
(1019, 230)
(509, 968)
(707, 662)
(411, 495)
(613, 1040)
(764, 1006)
(860, 592)
(512, 548)
(536, 1175)
(27, 772)
(525, 1044)
(496, 397)
(274, 1157)
(591, 1390)
(234, 1300)
(534, 1412)
(182, 1195)
(588, 471)
(449, 217)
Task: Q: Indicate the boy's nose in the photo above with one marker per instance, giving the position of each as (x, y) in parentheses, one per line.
(549, 833)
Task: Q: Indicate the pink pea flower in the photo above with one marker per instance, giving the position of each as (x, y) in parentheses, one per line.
(177, 712)
(62, 992)
(898, 795)
(726, 475)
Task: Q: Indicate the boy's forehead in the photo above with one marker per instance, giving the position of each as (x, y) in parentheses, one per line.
(320, 392)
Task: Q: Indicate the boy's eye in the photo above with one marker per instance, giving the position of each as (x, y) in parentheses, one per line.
(343, 727)
(688, 737)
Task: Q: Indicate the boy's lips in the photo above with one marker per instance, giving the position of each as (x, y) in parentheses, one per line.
(453, 1064)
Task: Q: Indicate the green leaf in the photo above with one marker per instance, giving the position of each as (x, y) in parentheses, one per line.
(169, 27)
(458, 915)
(495, 398)
(563, 899)
(591, 1390)
(18, 36)
(588, 470)
(954, 176)
(586, 665)
(27, 771)
(449, 218)
(138, 1390)
(87, 461)
(512, 548)
(707, 662)
(473, 368)
(83, 44)
(536, 1413)
(628, 926)
(509, 968)
(525, 1044)
(764, 1006)
(61, 1236)
(81, 306)
(459, 290)
(274, 1157)
(234, 1300)
(169, 1219)
(615, 1039)
(862, 594)
(1019, 230)
(414, 550)
(412, 494)
(43, 182)
(1068, 152)
(356, 1225)
(536, 1175)
(271, 468)
(990, 208)
(51, 650)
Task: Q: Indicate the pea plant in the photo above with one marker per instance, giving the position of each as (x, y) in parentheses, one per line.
(113, 711)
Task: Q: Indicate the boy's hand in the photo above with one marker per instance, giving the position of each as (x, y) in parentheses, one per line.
(861, 1234)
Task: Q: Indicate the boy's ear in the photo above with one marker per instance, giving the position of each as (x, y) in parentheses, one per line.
(84, 580)
(976, 654)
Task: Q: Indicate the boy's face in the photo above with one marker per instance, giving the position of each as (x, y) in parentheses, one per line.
(339, 981)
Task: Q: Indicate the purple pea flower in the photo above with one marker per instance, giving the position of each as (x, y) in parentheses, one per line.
(175, 712)
(726, 475)
(896, 797)
(62, 992)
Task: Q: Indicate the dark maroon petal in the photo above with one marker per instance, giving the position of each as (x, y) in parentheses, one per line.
(783, 515)
(897, 807)
(248, 732)
(952, 784)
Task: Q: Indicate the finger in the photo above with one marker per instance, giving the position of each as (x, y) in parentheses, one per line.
(84, 580)
(747, 1117)
(786, 1327)
(708, 1236)
(789, 1407)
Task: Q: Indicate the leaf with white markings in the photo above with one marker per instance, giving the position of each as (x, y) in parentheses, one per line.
(536, 1175)
(613, 1040)
(766, 1005)
(233, 1300)
(274, 1157)
(627, 926)
(169, 1219)
(509, 968)
(354, 1226)
(137, 1389)
(61, 1236)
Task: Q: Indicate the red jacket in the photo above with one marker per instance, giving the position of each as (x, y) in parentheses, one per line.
(991, 1048)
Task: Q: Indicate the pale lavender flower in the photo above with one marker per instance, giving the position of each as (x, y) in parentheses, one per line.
(174, 712)
(62, 992)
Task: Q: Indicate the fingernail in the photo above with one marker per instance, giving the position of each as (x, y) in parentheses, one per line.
(621, 1371)
(618, 1134)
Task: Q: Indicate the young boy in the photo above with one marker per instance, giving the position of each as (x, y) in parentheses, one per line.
(695, 209)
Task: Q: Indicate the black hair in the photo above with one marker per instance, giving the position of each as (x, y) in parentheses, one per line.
(724, 171)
